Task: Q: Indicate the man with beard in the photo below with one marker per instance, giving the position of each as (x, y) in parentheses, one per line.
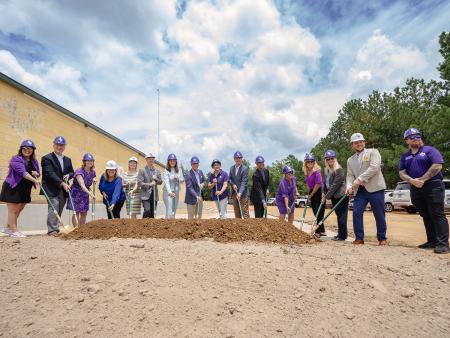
(421, 166)
(260, 187)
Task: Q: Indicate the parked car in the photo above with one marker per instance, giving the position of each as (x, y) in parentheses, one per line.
(301, 201)
(402, 197)
(388, 199)
(447, 194)
(271, 201)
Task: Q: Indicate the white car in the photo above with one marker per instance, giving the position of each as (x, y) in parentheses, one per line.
(402, 196)
(388, 199)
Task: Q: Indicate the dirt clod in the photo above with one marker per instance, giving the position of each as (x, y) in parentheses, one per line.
(229, 230)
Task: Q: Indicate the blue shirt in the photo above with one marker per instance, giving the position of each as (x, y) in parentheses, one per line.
(222, 177)
(417, 164)
(113, 189)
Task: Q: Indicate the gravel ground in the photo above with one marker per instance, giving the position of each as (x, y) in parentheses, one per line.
(156, 287)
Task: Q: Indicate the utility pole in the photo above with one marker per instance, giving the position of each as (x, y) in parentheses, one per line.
(158, 124)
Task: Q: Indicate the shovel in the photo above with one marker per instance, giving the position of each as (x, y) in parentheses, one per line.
(313, 229)
(62, 228)
(109, 206)
(73, 205)
(93, 203)
(239, 203)
(302, 220)
(313, 226)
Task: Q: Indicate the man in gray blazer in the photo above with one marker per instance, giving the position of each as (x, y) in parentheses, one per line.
(239, 186)
(148, 180)
(366, 183)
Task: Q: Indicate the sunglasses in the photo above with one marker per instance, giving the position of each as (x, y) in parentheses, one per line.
(415, 137)
(330, 159)
(309, 162)
(27, 148)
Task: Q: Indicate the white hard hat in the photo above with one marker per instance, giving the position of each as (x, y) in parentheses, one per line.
(150, 155)
(111, 165)
(357, 137)
(133, 158)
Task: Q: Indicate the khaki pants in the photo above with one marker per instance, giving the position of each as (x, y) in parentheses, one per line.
(244, 206)
(191, 210)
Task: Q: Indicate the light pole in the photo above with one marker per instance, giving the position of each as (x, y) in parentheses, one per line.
(157, 126)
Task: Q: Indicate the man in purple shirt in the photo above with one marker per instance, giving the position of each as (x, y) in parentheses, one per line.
(421, 166)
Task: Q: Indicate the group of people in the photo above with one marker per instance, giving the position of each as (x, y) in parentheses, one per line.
(421, 166)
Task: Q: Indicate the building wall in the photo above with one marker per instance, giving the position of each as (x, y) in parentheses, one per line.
(23, 116)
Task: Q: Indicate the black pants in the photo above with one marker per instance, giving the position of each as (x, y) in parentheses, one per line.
(429, 201)
(259, 210)
(341, 213)
(116, 210)
(315, 203)
(149, 206)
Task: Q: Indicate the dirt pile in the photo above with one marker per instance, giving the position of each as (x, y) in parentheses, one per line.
(229, 230)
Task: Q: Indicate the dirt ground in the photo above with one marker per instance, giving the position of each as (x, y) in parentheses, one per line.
(201, 288)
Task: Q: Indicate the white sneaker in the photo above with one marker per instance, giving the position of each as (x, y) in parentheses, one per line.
(17, 234)
(6, 231)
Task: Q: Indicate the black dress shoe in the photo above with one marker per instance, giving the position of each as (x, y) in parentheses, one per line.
(427, 245)
(337, 238)
(441, 250)
(322, 234)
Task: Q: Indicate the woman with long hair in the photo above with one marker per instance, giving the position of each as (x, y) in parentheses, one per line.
(218, 183)
(83, 179)
(110, 187)
(16, 189)
(172, 177)
(314, 181)
(335, 186)
(132, 190)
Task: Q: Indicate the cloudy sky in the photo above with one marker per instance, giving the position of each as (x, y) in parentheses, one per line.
(265, 77)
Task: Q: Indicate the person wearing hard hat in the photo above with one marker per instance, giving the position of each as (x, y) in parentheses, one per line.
(421, 166)
(16, 189)
(172, 177)
(218, 183)
(83, 178)
(286, 194)
(132, 190)
(314, 182)
(194, 185)
(111, 188)
(335, 189)
(148, 180)
(239, 186)
(260, 187)
(366, 183)
(57, 170)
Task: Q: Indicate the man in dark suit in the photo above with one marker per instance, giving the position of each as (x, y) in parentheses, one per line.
(57, 170)
(258, 194)
(239, 186)
(194, 185)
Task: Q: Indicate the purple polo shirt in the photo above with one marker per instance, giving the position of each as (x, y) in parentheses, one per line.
(286, 190)
(417, 164)
(313, 179)
(17, 170)
(222, 177)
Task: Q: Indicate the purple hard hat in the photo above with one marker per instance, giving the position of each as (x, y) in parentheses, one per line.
(238, 154)
(329, 154)
(60, 140)
(214, 162)
(259, 159)
(309, 157)
(27, 143)
(288, 170)
(171, 157)
(411, 131)
(88, 157)
(195, 160)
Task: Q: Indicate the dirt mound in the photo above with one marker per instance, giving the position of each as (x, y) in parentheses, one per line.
(229, 230)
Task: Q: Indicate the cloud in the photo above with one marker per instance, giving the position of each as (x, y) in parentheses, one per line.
(242, 74)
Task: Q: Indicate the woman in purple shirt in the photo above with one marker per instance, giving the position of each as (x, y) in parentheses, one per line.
(82, 181)
(16, 189)
(285, 196)
(313, 179)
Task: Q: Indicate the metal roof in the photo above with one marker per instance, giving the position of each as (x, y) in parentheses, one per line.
(67, 112)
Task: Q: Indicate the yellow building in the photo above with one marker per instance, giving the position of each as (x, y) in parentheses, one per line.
(25, 114)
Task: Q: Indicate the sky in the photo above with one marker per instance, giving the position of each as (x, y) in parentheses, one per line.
(260, 76)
